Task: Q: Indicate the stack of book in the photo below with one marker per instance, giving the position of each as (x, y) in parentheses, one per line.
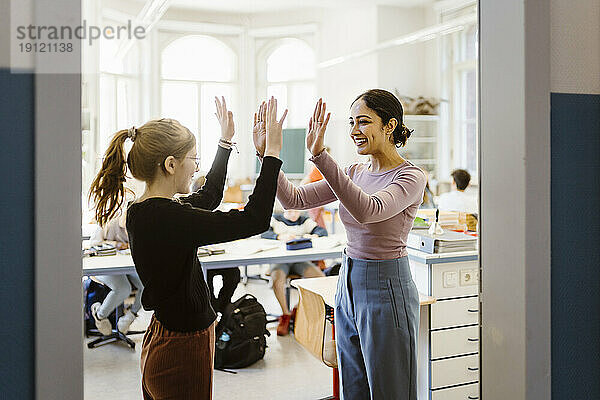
(210, 250)
(446, 218)
(447, 242)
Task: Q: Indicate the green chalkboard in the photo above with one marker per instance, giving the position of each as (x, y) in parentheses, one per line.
(292, 153)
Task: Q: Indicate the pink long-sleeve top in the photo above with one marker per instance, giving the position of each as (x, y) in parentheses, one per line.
(377, 208)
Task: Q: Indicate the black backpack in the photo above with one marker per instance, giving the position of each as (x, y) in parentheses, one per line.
(240, 334)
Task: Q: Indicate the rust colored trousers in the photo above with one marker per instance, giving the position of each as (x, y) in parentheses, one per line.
(177, 365)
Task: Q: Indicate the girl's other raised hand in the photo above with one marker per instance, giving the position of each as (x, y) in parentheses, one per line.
(273, 128)
(225, 119)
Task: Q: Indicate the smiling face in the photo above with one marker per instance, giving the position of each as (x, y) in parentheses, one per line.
(367, 131)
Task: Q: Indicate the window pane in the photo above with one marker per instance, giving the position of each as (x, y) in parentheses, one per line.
(470, 47)
(294, 60)
(107, 119)
(301, 100)
(128, 64)
(280, 92)
(198, 58)
(471, 146)
(210, 129)
(180, 102)
(470, 78)
(127, 103)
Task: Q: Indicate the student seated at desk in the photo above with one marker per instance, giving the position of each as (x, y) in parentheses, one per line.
(457, 199)
(316, 214)
(120, 285)
(285, 227)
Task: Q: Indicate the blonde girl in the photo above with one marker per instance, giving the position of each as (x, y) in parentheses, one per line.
(165, 232)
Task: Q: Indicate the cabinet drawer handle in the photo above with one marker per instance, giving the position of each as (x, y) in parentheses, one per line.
(473, 339)
(472, 310)
(473, 397)
(473, 368)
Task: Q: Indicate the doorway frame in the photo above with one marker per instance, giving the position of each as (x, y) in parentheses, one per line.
(514, 81)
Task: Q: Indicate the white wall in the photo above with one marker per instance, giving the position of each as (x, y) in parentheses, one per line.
(575, 47)
(401, 67)
(343, 32)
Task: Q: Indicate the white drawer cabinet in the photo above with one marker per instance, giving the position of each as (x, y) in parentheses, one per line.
(448, 352)
(456, 312)
(454, 342)
(466, 392)
(454, 371)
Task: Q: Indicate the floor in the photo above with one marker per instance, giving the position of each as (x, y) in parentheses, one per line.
(287, 371)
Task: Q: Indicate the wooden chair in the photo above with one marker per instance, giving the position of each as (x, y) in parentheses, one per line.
(310, 328)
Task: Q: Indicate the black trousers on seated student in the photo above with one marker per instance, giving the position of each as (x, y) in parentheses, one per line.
(231, 278)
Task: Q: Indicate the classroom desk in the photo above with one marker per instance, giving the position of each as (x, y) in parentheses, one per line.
(238, 253)
(322, 290)
(241, 252)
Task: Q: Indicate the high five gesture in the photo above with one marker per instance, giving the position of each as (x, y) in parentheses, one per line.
(266, 133)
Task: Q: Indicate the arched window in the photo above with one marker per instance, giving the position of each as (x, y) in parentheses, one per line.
(290, 77)
(195, 69)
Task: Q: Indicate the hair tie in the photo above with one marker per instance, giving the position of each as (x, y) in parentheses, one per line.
(132, 133)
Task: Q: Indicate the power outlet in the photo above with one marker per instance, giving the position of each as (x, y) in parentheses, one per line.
(468, 277)
(450, 279)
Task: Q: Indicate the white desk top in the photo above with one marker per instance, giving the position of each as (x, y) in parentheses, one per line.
(240, 252)
(441, 257)
(262, 251)
(326, 287)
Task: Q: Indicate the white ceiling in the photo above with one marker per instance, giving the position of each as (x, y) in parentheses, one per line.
(256, 6)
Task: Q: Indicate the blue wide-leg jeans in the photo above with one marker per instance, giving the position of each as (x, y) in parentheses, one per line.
(376, 329)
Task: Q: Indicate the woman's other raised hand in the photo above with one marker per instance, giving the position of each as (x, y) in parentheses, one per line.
(316, 129)
(259, 130)
(273, 129)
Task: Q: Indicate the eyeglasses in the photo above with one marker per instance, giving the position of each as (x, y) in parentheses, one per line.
(196, 160)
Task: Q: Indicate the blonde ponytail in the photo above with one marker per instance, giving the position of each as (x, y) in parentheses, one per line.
(107, 190)
(153, 142)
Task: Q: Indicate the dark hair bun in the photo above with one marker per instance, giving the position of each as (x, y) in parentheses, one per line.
(407, 131)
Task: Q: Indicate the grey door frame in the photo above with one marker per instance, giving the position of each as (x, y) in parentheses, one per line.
(514, 155)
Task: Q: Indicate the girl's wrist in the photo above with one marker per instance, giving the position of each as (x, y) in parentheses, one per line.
(271, 153)
(227, 144)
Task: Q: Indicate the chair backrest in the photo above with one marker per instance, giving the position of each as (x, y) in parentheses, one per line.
(310, 325)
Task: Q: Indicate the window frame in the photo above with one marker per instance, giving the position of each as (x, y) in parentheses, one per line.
(453, 87)
(206, 155)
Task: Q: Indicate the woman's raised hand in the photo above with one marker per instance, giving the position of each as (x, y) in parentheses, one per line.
(259, 131)
(273, 127)
(316, 129)
(225, 119)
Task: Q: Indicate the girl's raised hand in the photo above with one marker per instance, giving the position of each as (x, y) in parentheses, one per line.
(225, 119)
(316, 129)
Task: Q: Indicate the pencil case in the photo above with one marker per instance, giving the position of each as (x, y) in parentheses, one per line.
(297, 244)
